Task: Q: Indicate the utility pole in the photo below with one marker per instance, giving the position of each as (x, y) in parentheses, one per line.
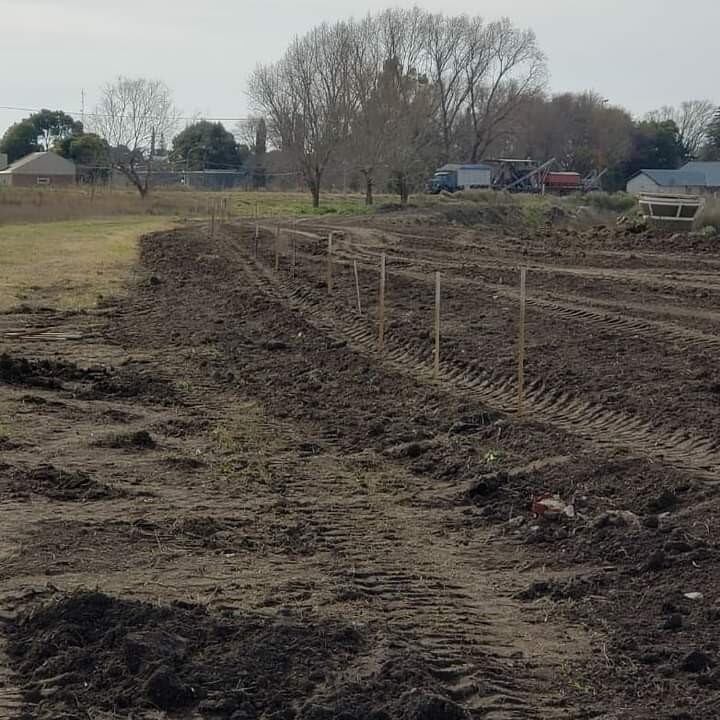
(148, 175)
(82, 106)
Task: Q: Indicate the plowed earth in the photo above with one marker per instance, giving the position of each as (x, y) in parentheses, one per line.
(219, 499)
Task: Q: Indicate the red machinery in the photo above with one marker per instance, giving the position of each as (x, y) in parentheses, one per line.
(561, 183)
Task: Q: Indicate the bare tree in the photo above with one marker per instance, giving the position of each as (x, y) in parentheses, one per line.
(693, 119)
(308, 99)
(514, 71)
(131, 115)
(456, 56)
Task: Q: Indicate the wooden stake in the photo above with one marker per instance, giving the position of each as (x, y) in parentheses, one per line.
(330, 263)
(277, 251)
(357, 288)
(212, 221)
(521, 343)
(257, 237)
(293, 257)
(381, 309)
(437, 326)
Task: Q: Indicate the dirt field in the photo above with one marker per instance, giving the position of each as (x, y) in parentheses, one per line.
(220, 500)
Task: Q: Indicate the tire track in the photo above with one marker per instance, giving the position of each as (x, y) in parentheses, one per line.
(572, 312)
(603, 427)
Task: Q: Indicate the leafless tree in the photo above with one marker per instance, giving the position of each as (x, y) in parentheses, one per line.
(308, 99)
(692, 118)
(131, 116)
(515, 70)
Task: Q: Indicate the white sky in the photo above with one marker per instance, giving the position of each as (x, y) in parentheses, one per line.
(637, 53)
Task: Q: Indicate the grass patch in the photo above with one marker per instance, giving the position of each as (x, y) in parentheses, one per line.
(69, 265)
(59, 204)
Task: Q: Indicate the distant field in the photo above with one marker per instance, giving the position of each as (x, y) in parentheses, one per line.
(49, 205)
(68, 265)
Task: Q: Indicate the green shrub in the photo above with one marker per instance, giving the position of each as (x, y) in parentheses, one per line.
(619, 202)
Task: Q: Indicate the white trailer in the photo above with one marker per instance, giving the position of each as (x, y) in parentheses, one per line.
(474, 176)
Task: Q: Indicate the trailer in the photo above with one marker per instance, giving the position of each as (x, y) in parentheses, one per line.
(455, 176)
(562, 183)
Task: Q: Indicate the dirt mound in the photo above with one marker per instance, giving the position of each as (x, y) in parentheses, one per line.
(53, 483)
(37, 373)
(128, 384)
(139, 440)
(107, 654)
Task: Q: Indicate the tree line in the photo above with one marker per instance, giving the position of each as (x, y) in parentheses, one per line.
(399, 93)
(387, 98)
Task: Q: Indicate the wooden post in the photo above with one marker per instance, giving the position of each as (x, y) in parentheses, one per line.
(257, 237)
(357, 288)
(436, 371)
(212, 220)
(381, 308)
(330, 263)
(293, 257)
(277, 250)
(521, 343)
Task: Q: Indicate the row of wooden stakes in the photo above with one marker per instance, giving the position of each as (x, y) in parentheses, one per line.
(381, 303)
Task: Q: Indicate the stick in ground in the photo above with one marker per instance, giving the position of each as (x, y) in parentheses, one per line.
(357, 287)
(437, 326)
(381, 308)
(521, 343)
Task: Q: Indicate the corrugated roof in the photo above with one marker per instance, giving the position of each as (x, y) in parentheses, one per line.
(676, 178)
(711, 170)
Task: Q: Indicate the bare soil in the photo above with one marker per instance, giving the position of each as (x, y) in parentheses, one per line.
(221, 500)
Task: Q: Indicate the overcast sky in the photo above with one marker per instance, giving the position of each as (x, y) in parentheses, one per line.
(637, 53)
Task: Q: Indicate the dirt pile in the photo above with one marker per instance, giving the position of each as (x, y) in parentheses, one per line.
(53, 483)
(36, 373)
(108, 654)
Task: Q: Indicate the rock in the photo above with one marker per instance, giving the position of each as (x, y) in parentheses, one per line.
(697, 662)
(164, 689)
(616, 518)
(673, 622)
(517, 522)
(663, 503)
(651, 521)
(487, 485)
(274, 345)
(656, 561)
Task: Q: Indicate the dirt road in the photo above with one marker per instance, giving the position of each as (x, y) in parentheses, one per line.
(220, 498)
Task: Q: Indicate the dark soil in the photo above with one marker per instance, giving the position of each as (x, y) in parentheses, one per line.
(138, 440)
(120, 656)
(54, 484)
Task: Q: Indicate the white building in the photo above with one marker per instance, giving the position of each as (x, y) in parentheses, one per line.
(694, 178)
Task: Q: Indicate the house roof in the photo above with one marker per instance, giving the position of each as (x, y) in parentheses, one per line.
(711, 170)
(676, 178)
(50, 160)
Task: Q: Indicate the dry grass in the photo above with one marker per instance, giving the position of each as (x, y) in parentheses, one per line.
(51, 205)
(69, 265)
(710, 215)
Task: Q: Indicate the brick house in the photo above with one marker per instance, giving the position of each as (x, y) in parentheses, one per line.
(38, 170)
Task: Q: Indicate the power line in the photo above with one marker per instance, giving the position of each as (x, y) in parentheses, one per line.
(192, 118)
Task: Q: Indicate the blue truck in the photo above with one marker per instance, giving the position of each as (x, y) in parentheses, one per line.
(456, 176)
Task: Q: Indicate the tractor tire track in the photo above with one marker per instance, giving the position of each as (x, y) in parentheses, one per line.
(591, 421)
